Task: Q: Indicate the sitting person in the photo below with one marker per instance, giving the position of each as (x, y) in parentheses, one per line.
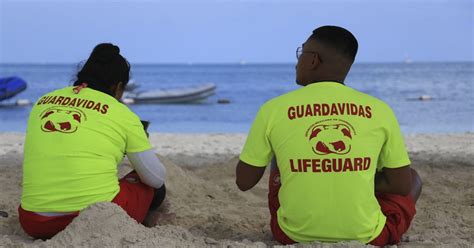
(340, 168)
(75, 139)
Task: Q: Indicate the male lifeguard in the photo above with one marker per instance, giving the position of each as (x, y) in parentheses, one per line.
(340, 168)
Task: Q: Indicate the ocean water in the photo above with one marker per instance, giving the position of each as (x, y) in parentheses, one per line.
(248, 86)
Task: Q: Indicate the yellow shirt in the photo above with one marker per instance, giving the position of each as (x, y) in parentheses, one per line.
(328, 140)
(74, 143)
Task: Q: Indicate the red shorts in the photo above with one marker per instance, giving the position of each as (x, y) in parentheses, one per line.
(399, 211)
(134, 197)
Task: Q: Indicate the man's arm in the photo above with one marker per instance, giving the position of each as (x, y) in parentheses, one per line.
(247, 175)
(394, 181)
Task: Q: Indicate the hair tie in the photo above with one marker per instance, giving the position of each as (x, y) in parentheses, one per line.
(78, 88)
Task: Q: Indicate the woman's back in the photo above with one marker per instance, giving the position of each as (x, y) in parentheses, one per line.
(73, 145)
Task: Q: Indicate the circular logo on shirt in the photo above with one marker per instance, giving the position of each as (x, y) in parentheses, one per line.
(60, 119)
(332, 136)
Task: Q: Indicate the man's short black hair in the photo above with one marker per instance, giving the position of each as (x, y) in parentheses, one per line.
(338, 38)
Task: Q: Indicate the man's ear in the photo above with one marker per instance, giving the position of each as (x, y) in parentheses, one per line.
(316, 61)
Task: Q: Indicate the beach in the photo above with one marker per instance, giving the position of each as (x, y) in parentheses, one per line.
(212, 212)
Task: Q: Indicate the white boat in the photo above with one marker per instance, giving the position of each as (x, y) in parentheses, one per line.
(177, 95)
(131, 86)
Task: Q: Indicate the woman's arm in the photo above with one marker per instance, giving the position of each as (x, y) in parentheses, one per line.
(149, 167)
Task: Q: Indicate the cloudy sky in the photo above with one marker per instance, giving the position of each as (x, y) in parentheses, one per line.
(225, 31)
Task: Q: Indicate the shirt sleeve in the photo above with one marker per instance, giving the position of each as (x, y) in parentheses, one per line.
(257, 150)
(394, 153)
(149, 167)
(137, 141)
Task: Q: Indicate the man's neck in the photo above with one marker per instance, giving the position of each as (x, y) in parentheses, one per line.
(325, 80)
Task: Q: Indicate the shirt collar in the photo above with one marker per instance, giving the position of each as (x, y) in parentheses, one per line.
(326, 83)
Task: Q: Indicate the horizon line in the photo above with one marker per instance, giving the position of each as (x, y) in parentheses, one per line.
(238, 63)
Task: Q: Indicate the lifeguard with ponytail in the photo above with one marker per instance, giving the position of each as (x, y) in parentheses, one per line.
(75, 139)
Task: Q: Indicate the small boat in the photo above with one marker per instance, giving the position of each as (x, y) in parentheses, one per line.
(177, 95)
(11, 86)
(131, 86)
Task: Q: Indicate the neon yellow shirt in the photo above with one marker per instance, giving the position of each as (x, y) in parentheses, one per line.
(328, 140)
(74, 143)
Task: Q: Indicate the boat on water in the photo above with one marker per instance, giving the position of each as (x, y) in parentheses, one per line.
(11, 86)
(131, 86)
(189, 94)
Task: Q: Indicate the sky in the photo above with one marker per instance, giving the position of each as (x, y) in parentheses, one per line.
(226, 31)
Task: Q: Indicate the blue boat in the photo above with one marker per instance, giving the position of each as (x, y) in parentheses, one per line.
(11, 86)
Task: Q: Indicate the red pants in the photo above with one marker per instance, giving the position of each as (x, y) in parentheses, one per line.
(134, 197)
(399, 211)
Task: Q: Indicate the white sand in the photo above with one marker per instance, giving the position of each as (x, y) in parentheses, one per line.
(211, 211)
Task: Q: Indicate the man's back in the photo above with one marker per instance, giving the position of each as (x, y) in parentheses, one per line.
(328, 140)
(340, 169)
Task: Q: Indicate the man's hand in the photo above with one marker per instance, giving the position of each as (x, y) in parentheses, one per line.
(394, 181)
(247, 175)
